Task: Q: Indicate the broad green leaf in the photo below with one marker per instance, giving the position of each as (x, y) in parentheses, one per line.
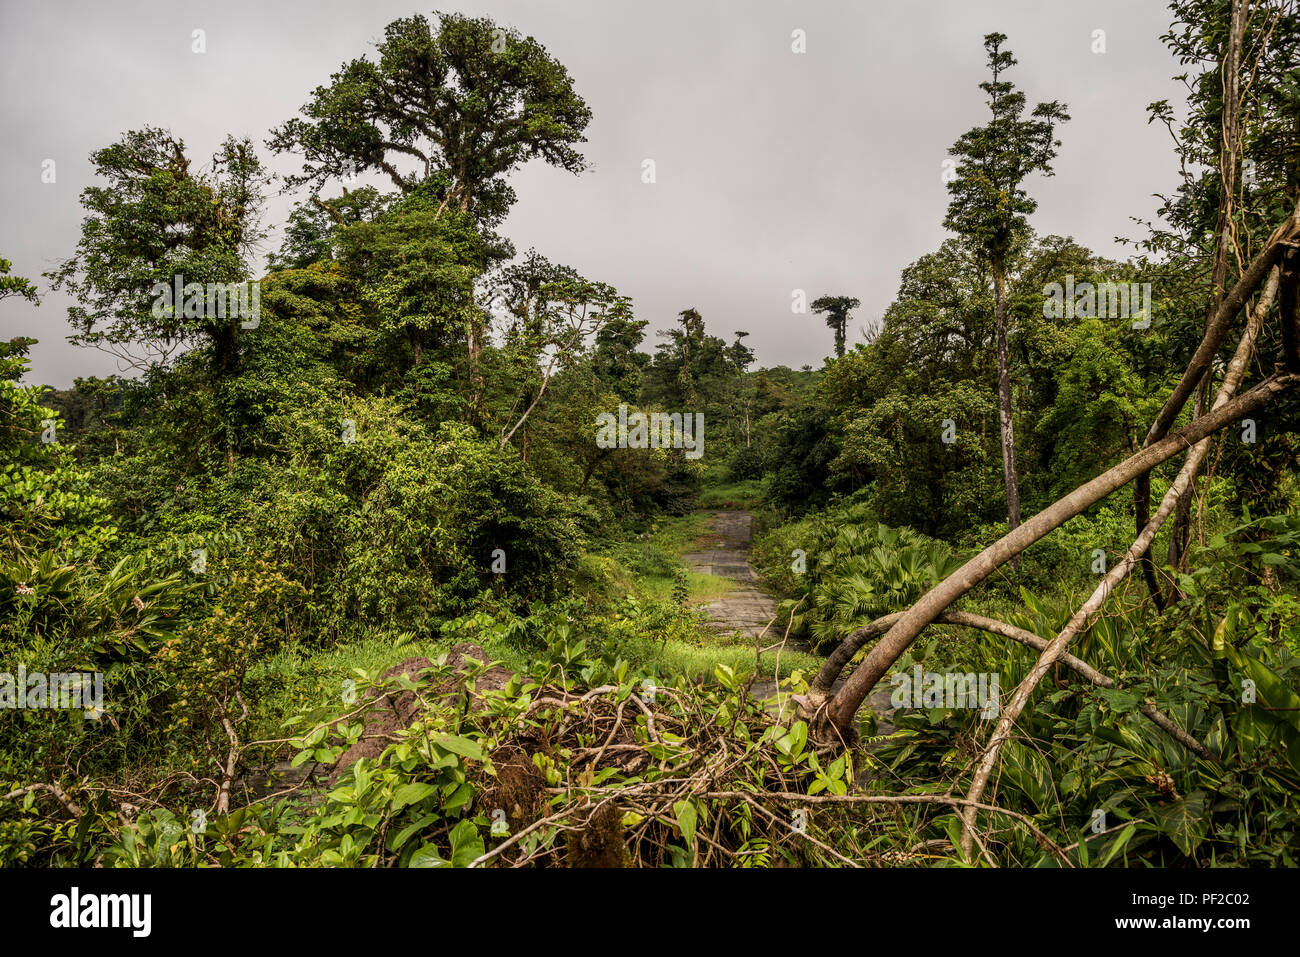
(1117, 845)
(427, 856)
(466, 844)
(411, 794)
(686, 817)
(401, 837)
(460, 745)
(1185, 821)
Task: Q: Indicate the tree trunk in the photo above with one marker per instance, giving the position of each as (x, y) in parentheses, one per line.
(586, 475)
(474, 331)
(417, 346)
(1229, 150)
(1178, 530)
(474, 352)
(1228, 159)
(1010, 476)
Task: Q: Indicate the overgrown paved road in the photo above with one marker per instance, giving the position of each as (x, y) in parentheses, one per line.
(748, 609)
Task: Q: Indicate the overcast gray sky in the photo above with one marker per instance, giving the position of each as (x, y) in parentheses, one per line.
(775, 171)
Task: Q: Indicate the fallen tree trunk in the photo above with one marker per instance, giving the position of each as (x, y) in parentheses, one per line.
(834, 718)
(1216, 329)
(830, 671)
(839, 710)
(1236, 371)
(820, 688)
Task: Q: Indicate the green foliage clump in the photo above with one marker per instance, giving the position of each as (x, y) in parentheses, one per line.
(843, 569)
(1221, 663)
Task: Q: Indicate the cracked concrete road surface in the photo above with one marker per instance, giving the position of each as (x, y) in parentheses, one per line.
(747, 608)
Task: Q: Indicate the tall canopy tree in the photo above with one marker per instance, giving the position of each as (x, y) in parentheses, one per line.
(418, 269)
(837, 310)
(553, 312)
(311, 231)
(468, 102)
(989, 207)
(470, 98)
(156, 219)
(20, 410)
(688, 341)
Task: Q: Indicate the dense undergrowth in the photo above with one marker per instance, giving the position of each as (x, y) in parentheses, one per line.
(406, 452)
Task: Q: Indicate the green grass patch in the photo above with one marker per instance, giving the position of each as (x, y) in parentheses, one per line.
(682, 534)
(700, 587)
(695, 660)
(733, 495)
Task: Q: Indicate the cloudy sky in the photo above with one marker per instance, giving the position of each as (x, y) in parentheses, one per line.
(776, 171)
